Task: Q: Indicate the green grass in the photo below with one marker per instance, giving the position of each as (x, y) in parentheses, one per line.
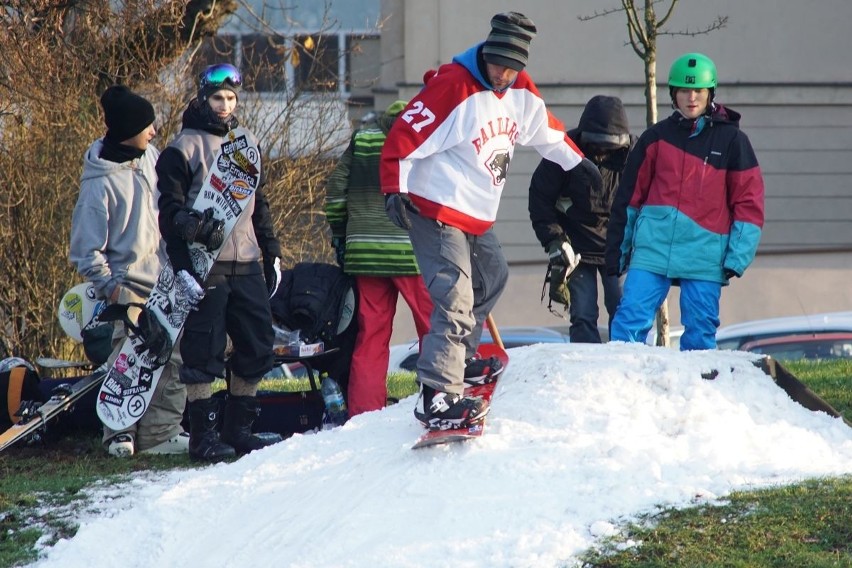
(803, 525)
(830, 379)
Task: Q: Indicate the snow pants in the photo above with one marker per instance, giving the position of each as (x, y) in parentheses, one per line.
(465, 276)
(235, 306)
(377, 297)
(644, 293)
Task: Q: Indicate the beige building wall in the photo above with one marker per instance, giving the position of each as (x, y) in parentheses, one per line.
(784, 65)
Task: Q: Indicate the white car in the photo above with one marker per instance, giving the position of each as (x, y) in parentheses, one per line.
(736, 335)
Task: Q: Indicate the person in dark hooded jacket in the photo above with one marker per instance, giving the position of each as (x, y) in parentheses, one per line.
(688, 212)
(235, 300)
(569, 212)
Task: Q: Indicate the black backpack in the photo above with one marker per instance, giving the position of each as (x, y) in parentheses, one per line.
(320, 300)
(317, 299)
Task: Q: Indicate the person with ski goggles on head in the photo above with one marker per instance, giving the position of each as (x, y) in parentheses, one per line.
(234, 301)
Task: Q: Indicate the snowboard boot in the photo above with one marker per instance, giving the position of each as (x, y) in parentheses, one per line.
(204, 442)
(438, 410)
(240, 414)
(478, 371)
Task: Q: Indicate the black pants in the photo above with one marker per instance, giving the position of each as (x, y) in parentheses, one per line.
(235, 306)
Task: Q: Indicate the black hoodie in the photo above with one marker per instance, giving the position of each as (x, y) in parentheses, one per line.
(564, 203)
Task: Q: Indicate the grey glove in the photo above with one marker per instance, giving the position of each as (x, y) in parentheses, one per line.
(397, 206)
(561, 253)
(189, 289)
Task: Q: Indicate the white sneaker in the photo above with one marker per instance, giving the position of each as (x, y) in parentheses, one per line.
(121, 446)
(175, 445)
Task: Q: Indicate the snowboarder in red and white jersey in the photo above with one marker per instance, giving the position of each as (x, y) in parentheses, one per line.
(444, 165)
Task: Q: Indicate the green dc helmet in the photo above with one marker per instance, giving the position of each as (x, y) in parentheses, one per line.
(693, 71)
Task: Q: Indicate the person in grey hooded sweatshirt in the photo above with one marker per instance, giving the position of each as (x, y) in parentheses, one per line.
(569, 210)
(116, 245)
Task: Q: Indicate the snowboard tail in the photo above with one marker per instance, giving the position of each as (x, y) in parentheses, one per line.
(484, 391)
(129, 385)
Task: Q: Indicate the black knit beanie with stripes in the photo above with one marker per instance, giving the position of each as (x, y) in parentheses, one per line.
(508, 44)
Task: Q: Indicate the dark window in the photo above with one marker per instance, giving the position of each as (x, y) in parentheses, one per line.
(262, 66)
(316, 62)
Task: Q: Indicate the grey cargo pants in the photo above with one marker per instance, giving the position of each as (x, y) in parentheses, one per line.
(465, 276)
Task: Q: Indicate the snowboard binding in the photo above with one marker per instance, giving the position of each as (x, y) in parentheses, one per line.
(150, 333)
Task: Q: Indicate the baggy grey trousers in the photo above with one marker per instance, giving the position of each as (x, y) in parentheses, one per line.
(465, 276)
(163, 416)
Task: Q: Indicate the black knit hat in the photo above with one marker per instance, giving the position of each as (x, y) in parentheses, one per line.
(508, 44)
(126, 114)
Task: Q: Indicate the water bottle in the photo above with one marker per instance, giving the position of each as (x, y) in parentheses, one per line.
(335, 407)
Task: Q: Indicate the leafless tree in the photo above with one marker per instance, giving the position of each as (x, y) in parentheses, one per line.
(58, 56)
(644, 27)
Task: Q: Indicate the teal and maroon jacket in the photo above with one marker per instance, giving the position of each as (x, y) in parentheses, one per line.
(690, 202)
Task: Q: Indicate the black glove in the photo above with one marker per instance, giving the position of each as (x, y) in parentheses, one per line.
(272, 273)
(729, 273)
(203, 228)
(339, 244)
(589, 174)
(397, 206)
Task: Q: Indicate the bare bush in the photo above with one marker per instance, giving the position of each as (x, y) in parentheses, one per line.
(57, 60)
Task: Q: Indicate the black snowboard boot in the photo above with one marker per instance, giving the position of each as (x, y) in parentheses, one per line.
(204, 442)
(444, 411)
(478, 371)
(240, 414)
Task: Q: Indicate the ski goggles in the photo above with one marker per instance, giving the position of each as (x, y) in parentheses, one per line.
(221, 74)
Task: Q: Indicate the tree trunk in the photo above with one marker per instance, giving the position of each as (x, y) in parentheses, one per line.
(662, 323)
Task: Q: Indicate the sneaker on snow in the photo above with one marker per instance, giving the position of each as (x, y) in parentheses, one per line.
(479, 371)
(121, 446)
(439, 410)
(178, 444)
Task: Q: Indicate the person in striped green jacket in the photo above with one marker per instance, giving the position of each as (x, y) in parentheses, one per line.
(378, 255)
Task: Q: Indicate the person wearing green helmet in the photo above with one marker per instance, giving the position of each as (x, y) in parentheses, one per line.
(688, 212)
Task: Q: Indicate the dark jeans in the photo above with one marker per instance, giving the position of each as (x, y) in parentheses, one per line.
(583, 286)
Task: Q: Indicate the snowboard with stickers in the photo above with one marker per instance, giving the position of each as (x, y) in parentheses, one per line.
(229, 186)
(484, 391)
